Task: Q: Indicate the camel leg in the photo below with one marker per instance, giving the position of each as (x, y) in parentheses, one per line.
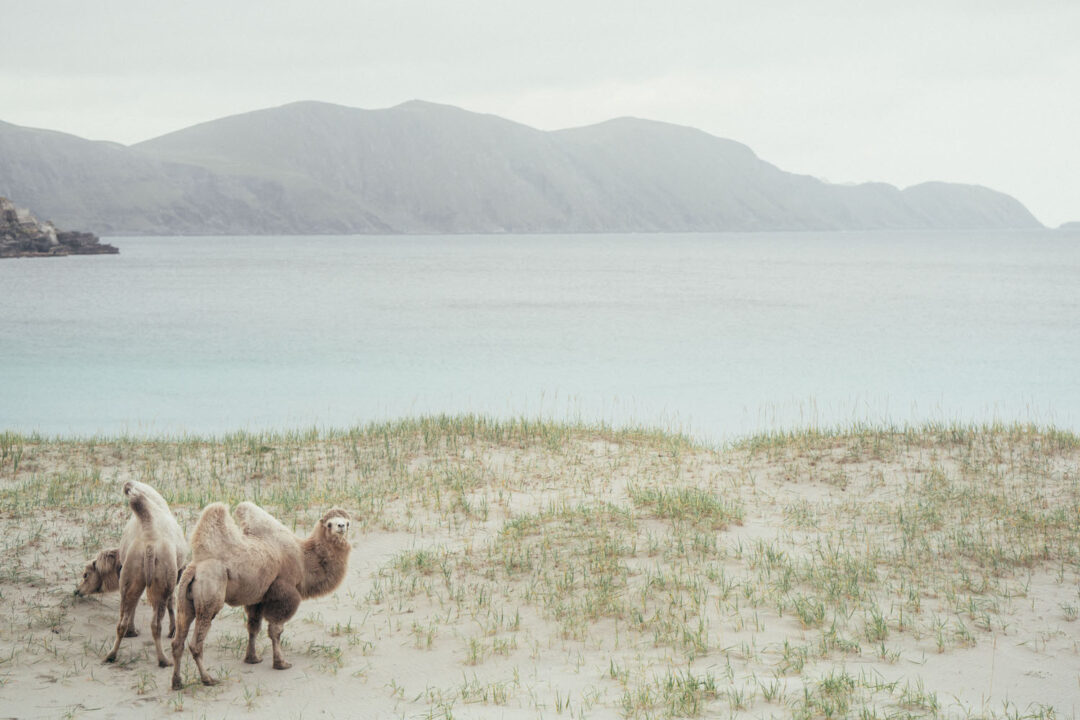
(200, 595)
(278, 605)
(185, 614)
(171, 607)
(207, 589)
(131, 589)
(202, 627)
(172, 603)
(254, 624)
(274, 631)
(159, 604)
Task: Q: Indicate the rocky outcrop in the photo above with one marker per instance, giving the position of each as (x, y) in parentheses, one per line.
(22, 235)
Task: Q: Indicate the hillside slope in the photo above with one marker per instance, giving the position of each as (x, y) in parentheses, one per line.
(312, 168)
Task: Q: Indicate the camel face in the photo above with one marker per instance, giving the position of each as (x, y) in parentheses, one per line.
(100, 574)
(335, 525)
(338, 526)
(91, 581)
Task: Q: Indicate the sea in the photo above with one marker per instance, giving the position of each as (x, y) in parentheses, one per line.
(718, 336)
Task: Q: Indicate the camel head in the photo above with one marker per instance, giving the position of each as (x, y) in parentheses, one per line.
(101, 574)
(334, 526)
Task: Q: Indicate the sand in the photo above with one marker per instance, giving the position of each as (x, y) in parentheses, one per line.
(530, 573)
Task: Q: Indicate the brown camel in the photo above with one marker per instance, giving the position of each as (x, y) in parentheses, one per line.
(260, 564)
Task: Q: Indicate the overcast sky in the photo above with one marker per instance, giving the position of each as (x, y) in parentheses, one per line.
(979, 91)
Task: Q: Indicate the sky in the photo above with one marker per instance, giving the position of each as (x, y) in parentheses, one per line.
(972, 91)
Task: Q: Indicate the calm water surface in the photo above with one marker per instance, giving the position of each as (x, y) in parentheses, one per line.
(718, 335)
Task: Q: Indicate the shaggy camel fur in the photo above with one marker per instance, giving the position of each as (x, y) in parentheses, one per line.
(254, 561)
(151, 554)
(102, 574)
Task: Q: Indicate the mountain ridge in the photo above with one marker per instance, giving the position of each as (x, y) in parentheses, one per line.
(311, 167)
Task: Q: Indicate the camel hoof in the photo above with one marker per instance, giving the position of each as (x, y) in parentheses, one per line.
(131, 632)
(282, 665)
(110, 658)
(171, 633)
(253, 659)
(209, 682)
(177, 684)
(164, 663)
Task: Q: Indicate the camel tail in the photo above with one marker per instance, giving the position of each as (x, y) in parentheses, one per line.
(183, 585)
(148, 565)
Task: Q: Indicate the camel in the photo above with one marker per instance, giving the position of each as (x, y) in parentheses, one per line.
(251, 559)
(151, 555)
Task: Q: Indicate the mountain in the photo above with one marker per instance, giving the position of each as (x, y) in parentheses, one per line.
(310, 168)
(118, 190)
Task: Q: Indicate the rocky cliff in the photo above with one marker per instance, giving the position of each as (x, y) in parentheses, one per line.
(22, 235)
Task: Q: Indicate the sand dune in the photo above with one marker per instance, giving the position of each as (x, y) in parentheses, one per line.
(523, 570)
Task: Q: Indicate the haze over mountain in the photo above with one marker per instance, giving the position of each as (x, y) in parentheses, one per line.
(311, 168)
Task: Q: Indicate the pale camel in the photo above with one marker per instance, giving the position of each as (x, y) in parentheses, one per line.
(151, 554)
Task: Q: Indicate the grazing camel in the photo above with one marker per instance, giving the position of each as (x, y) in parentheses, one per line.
(254, 561)
(151, 554)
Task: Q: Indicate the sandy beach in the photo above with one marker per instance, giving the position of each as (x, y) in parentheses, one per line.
(528, 569)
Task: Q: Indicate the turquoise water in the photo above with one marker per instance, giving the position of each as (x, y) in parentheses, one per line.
(717, 335)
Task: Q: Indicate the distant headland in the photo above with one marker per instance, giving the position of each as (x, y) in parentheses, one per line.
(313, 168)
(22, 235)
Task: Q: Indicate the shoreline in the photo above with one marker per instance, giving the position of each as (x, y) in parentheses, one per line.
(496, 425)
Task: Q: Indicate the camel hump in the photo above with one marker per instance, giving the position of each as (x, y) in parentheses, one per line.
(247, 511)
(134, 486)
(256, 521)
(139, 503)
(215, 533)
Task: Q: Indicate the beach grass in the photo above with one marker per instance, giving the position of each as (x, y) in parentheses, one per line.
(550, 569)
